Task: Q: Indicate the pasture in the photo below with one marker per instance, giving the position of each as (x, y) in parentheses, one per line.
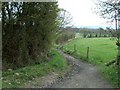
(101, 51)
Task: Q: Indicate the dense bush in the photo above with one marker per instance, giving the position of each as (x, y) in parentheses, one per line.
(65, 36)
(28, 32)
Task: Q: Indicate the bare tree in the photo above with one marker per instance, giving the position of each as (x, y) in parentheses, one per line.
(65, 19)
(111, 10)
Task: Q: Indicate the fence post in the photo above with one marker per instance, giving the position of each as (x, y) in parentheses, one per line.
(87, 52)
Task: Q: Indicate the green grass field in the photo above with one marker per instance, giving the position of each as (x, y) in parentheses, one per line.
(18, 78)
(101, 51)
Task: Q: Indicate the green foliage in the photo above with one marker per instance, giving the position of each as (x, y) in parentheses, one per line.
(102, 51)
(65, 36)
(29, 30)
(17, 78)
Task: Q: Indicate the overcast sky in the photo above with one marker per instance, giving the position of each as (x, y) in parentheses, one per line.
(82, 12)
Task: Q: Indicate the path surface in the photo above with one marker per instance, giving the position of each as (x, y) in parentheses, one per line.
(82, 75)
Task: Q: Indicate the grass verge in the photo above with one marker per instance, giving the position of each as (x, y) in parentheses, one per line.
(18, 78)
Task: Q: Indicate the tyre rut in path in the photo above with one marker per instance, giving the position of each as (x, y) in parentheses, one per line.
(82, 75)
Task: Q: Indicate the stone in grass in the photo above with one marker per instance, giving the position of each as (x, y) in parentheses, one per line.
(9, 69)
(17, 74)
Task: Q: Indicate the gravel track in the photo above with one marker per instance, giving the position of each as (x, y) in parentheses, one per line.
(82, 75)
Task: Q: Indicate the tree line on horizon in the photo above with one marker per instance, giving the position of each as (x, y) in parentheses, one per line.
(92, 32)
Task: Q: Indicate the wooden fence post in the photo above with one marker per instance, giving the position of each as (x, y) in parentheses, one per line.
(87, 52)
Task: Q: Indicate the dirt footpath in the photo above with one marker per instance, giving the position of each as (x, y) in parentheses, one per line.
(82, 75)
